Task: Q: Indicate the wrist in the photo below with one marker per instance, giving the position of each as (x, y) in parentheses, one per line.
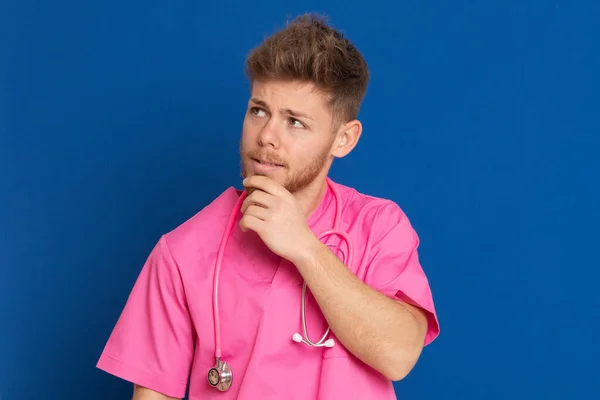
(307, 250)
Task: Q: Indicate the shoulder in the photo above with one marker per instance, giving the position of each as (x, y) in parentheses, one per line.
(378, 215)
(205, 226)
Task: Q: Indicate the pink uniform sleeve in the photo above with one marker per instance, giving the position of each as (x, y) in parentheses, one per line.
(394, 268)
(152, 342)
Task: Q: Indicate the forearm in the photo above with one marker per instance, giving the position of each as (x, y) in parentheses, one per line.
(380, 331)
(142, 393)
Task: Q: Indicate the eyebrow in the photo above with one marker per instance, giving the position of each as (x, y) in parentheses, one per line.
(291, 112)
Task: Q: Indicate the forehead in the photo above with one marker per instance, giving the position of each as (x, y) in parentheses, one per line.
(304, 97)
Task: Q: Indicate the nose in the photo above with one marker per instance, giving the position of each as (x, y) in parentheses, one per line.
(269, 135)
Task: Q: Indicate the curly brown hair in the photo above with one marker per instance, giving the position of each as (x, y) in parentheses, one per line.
(309, 50)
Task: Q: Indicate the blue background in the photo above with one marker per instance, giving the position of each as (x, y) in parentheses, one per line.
(119, 120)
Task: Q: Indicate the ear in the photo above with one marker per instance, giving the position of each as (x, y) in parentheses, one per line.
(346, 138)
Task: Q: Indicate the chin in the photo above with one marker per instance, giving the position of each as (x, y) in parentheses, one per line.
(273, 177)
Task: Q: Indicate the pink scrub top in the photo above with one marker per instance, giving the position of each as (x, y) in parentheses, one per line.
(165, 333)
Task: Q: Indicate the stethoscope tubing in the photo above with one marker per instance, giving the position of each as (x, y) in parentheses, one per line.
(229, 228)
(224, 239)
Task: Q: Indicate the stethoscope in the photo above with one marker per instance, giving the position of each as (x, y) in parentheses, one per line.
(221, 376)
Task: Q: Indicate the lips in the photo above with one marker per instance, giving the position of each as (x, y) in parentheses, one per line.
(267, 163)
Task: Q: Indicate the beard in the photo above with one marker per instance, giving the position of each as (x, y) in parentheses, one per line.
(294, 181)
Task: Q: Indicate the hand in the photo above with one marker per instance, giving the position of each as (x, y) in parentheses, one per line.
(275, 215)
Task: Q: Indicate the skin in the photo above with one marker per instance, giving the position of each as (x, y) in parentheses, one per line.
(142, 393)
(290, 124)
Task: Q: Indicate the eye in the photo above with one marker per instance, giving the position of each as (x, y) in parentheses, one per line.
(296, 123)
(257, 111)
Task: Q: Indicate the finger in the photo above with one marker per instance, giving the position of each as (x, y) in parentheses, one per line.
(259, 198)
(258, 212)
(250, 222)
(265, 184)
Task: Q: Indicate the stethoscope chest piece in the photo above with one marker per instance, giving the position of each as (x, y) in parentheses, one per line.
(220, 376)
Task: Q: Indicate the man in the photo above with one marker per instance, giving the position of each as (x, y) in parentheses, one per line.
(307, 83)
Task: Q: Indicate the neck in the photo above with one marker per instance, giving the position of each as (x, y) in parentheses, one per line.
(310, 197)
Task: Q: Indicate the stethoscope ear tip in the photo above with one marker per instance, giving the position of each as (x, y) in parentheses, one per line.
(296, 337)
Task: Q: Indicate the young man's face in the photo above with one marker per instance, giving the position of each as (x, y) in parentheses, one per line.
(288, 134)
